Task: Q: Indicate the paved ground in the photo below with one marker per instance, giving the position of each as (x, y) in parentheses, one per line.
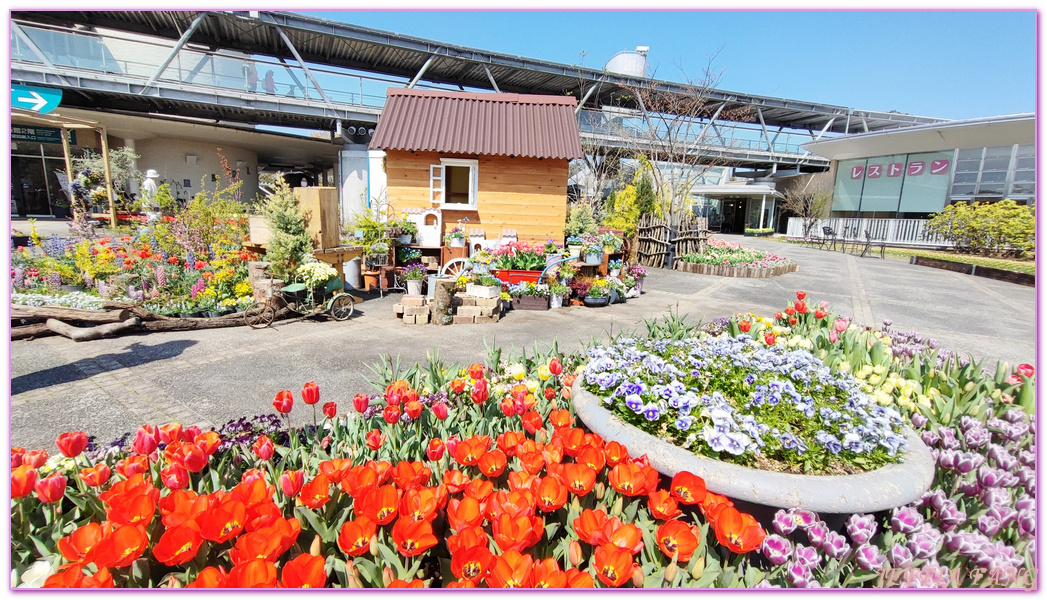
(108, 387)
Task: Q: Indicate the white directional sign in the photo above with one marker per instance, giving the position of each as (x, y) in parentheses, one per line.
(36, 99)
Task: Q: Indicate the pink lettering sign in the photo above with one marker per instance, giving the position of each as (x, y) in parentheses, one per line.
(939, 167)
(917, 168)
(856, 172)
(874, 171)
(895, 169)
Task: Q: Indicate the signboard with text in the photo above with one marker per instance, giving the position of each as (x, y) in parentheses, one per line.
(44, 135)
(896, 183)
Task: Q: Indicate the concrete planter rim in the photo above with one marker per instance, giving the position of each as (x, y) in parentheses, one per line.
(884, 488)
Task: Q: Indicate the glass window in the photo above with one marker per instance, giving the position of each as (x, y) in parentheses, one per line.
(966, 177)
(1026, 150)
(850, 175)
(1023, 188)
(971, 153)
(459, 182)
(998, 152)
(968, 166)
(996, 164)
(963, 190)
(994, 176)
(1025, 162)
(991, 188)
(1025, 176)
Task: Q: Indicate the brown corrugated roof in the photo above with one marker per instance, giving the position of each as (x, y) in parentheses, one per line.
(476, 123)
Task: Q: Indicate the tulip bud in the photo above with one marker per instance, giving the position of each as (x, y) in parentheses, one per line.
(387, 577)
(576, 504)
(699, 568)
(637, 577)
(372, 547)
(574, 553)
(314, 548)
(352, 579)
(541, 436)
(670, 571)
(969, 386)
(616, 510)
(599, 489)
(174, 583)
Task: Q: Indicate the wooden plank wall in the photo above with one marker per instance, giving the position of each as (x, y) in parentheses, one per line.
(525, 194)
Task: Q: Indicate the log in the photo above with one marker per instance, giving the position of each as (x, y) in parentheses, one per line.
(19, 311)
(443, 306)
(135, 310)
(230, 320)
(30, 331)
(83, 334)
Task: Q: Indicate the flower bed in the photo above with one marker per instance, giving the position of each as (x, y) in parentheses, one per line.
(721, 253)
(481, 476)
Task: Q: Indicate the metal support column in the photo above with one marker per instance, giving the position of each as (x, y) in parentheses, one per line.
(490, 77)
(585, 98)
(301, 63)
(174, 51)
(421, 71)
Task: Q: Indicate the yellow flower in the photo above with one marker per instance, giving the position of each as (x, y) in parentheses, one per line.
(517, 372)
(532, 385)
(845, 366)
(875, 380)
(543, 373)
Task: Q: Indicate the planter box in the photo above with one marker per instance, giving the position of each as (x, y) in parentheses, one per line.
(530, 303)
(258, 229)
(763, 234)
(483, 291)
(593, 302)
(511, 276)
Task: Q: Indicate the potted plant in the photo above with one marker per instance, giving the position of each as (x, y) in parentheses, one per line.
(529, 296)
(639, 273)
(481, 262)
(616, 290)
(557, 293)
(414, 274)
(599, 294)
(406, 256)
(517, 262)
(484, 285)
(565, 272)
(611, 243)
(579, 290)
(614, 267)
(574, 246)
(377, 254)
(592, 249)
(456, 237)
(630, 287)
(408, 229)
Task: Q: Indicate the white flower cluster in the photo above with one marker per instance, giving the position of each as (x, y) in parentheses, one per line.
(312, 274)
(73, 300)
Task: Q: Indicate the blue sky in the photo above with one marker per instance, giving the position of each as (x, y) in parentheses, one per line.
(948, 64)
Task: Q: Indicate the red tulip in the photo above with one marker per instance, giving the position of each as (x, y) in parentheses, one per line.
(330, 410)
(361, 402)
(1026, 370)
(391, 414)
(72, 444)
(51, 489)
(549, 393)
(291, 483)
(310, 393)
(263, 447)
(779, 316)
(532, 422)
(375, 439)
(435, 451)
(413, 408)
(174, 477)
(36, 458)
(555, 367)
(801, 295)
(480, 394)
(745, 326)
(284, 401)
(172, 432)
(790, 311)
(770, 339)
(820, 314)
(476, 371)
(96, 476)
(793, 321)
(23, 479)
(440, 410)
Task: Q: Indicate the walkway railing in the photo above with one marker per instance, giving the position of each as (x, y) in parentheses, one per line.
(895, 232)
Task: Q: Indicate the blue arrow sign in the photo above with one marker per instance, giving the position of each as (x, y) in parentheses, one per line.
(37, 99)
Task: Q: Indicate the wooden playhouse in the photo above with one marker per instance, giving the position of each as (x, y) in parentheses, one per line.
(498, 160)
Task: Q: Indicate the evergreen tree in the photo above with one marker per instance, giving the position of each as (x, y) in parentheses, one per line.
(288, 239)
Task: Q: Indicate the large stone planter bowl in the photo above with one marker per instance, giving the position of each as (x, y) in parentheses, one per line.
(887, 487)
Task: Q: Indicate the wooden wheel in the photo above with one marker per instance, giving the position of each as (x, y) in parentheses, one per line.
(260, 315)
(342, 307)
(455, 268)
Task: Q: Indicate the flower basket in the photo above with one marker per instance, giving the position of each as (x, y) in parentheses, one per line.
(555, 301)
(414, 287)
(456, 242)
(593, 258)
(530, 303)
(483, 291)
(512, 276)
(615, 272)
(597, 301)
(574, 251)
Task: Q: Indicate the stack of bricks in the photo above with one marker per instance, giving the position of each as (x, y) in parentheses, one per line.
(469, 309)
(414, 309)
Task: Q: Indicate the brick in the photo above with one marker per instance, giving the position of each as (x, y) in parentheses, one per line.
(467, 301)
(409, 319)
(470, 311)
(457, 301)
(411, 300)
(461, 320)
(487, 312)
(488, 319)
(398, 309)
(422, 319)
(415, 311)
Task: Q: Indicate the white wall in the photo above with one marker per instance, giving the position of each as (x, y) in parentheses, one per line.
(167, 156)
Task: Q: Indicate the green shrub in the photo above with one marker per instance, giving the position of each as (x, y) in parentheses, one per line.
(288, 239)
(580, 221)
(991, 228)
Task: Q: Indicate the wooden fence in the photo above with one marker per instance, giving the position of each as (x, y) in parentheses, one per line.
(661, 242)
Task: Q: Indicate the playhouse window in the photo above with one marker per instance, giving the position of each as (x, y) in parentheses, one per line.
(454, 181)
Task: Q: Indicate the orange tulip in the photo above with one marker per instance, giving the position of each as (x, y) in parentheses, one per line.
(517, 533)
(615, 453)
(522, 480)
(510, 570)
(470, 451)
(211, 577)
(464, 513)
(317, 492)
(475, 371)
(509, 441)
(379, 505)
(375, 439)
(383, 468)
(254, 546)
(548, 574)
(336, 469)
(589, 524)
(72, 576)
(739, 532)
(420, 504)
(222, 522)
(304, 570)
(121, 547)
(253, 574)
(96, 476)
(177, 545)
(455, 481)
(472, 563)
(207, 442)
(688, 488)
(359, 480)
(172, 432)
(467, 537)
(253, 493)
(561, 418)
(553, 452)
(532, 462)
(493, 463)
(23, 479)
(713, 503)
(626, 536)
(133, 465)
(479, 489)
(128, 509)
(412, 538)
(409, 475)
(400, 583)
(77, 546)
(515, 503)
(614, 566)
(355, 537)
(579, 479)
(628, 479)
(532, 421)
(579, 579)
(662, 505)
(552, 495)
(573, 440)
(291, 482)
(36, 458)
(676, 537)
(592, 458)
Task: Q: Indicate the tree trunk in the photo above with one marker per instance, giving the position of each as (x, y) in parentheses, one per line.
(442, 304)
(83, 334)
(69, 314)
(30, 331)
(230, 320)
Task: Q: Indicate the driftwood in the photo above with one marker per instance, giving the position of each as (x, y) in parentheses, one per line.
(35, 330)
(83, 334)
(230, 320)
(19, 311)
